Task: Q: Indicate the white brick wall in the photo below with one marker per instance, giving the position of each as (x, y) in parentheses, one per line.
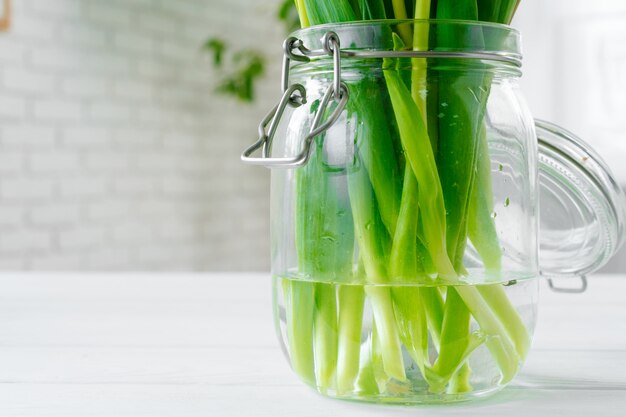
(114, 154)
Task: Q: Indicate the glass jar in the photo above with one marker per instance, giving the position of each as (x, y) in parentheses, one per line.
(404, 209)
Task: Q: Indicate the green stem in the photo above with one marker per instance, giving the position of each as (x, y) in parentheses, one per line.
(501, 307)
(412, 324)
(373, 241)
(454, 340)
(325, 245)
(300, 308)
(304, 19)
(389, 339)
(399, 11)
(325, 326)
(481, 227)
(377, 152)
(416, 144)
(370, 381)
(408, 306)
(351, 299)
(433, 305)
(497, 337)
(409, 302)
(404, 259)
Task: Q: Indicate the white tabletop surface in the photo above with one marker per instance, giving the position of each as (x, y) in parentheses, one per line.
(204, 345)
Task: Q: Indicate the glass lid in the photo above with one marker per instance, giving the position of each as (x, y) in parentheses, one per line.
(582, 207)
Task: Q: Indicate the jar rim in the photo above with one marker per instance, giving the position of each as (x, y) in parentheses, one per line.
(457, 22)
(438, 35)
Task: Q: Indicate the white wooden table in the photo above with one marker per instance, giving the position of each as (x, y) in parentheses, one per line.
(204, 345)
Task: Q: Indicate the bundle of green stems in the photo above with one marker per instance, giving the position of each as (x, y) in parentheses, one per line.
(419, 190)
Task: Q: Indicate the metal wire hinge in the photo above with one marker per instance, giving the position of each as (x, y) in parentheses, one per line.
(294, 95)
(576, 290)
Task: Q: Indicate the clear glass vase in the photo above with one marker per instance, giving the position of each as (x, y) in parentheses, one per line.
(404, 209)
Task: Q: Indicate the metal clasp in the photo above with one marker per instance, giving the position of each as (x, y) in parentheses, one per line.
(581, 289)
(295, 95)
(570, 290)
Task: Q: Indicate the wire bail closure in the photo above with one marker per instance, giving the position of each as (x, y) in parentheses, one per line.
(294, 95)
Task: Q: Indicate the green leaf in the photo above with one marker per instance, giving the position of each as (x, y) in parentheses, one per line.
(217, 46)
(416, 144)
(329, 11)
(457, 9)
(376, 148)
(455, 337)
(507, 11)
(240, 82)
(489, 10)
(372, 9)
(481, 227)
(288, 14)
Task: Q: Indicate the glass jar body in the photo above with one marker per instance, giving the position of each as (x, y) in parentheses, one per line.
(366, 307)
(405, 251)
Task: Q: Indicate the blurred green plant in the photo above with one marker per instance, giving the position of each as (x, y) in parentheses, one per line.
(288, 14)
(238, 75)
(237, 71)
(217, 47)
